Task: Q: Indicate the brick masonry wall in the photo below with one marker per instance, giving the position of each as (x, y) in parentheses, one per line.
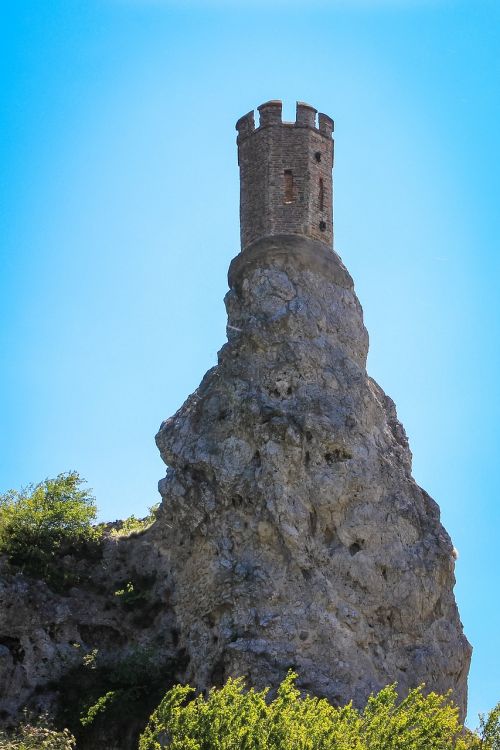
(264, 154)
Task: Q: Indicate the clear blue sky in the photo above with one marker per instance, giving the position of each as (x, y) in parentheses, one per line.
(119, 216)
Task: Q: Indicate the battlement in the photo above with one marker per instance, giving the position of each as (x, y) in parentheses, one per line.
(270, 113)
(286, 182)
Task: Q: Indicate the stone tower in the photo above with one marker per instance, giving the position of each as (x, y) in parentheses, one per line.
(285, 174)
(292, 530)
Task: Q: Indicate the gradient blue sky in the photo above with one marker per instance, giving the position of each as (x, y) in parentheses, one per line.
(119, 216)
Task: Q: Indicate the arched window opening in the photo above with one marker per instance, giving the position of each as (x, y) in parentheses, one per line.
(289, 186)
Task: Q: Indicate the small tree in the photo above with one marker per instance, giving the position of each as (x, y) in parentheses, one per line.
(42, 522)
(489, 729)
(234, 719)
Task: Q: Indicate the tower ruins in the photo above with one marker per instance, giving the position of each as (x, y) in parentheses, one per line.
(291, 532)
(295, 532)
(286, 184)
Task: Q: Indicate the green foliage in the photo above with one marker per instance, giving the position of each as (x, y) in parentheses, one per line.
(130, 596)
(36, 736)
(133, 525)
(126, 592)
(98, 707)
(109, 699)
(89, 660)
(232, 719)
(43, 522)
(489, 730)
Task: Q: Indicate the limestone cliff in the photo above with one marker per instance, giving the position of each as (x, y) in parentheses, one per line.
(291, 532)
(61, 651)
(295, 533)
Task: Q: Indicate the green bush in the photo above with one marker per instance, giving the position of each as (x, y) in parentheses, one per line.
(234, 719)
(36, 736)
(43, 522)
(489, 729)
(133, 525)
(131, 596)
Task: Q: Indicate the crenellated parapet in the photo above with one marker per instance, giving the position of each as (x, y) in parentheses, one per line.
(270, 114)
(286, 184)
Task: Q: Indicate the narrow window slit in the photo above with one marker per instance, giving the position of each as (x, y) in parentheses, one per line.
(321, 194)
(289, 186)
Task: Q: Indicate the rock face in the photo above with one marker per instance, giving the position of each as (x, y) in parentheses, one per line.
(295, 534)
(291, 532)
(59, 651)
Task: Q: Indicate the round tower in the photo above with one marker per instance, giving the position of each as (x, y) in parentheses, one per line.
(286, 184)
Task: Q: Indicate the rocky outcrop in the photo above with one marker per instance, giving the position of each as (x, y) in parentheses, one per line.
(291, 532)
(115, 630)
(295, 534)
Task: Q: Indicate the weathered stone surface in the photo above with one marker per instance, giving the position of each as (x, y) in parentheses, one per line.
(294, 531)
(291, 532)
(46, 636)
(285, 174)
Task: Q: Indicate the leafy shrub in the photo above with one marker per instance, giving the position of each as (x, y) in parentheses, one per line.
(42, 522)
(133, 525)
(99, 707)
(130, 596)
(36, 736)
(489, 729)
(232, 719)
